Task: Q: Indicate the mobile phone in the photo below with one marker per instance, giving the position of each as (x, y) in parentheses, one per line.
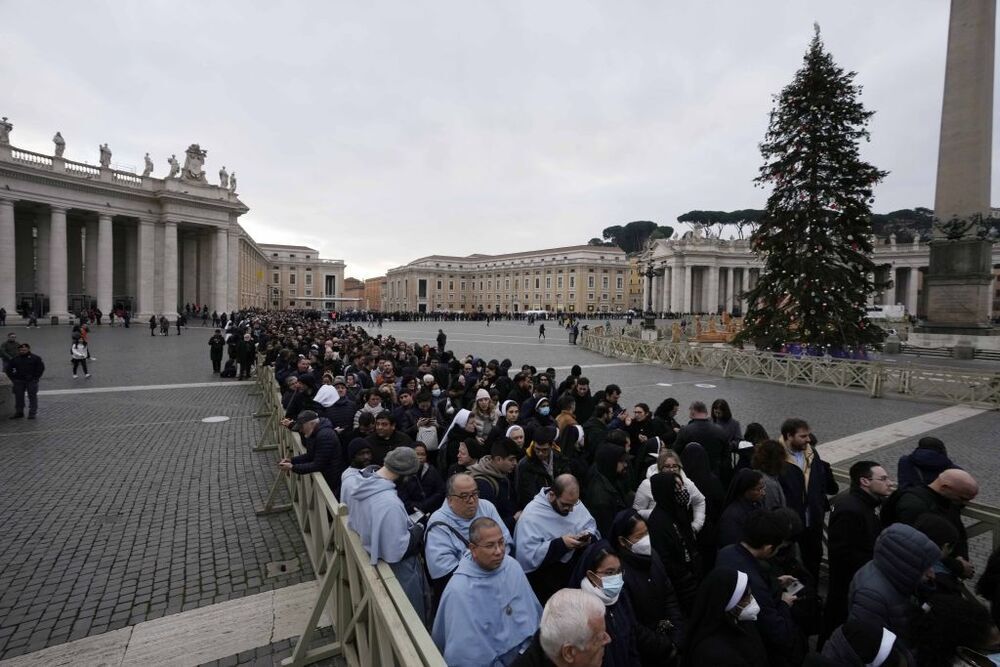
(794, 587)
(416, 516)
(585, 537)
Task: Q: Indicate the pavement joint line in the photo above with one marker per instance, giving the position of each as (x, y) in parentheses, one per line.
(866, 442)
(143, 387)
(191, 637)
(110, 427)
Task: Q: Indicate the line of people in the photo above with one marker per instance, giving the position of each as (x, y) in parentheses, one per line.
(491, 494)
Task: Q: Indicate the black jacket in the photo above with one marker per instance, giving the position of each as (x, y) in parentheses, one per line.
(917, 500)
(323, 455)
(216, 345)
(785, 644)
(716, 444)
(851, 535)
(382, 446)
(732, 645)
(534, 656)
(655, 604)
(25, 368)
(733, 520)
(809, 501)
(532, 477)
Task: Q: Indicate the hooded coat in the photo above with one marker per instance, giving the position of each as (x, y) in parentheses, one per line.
(323, 455)
(921, 467)
(485, 614)
(673, 540)
(605, 494)
(882, 591)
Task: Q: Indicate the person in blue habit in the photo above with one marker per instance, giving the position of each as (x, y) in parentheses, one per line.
(554, 527)
(445, 538)
(380, 519)
(488, 613)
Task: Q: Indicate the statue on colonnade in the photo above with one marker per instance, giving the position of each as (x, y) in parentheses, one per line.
(5, 129)
(174, 166)
(232, 182)
(193, 164)
(224, 178)
(105, 156)
(148, 169)
(60, 144)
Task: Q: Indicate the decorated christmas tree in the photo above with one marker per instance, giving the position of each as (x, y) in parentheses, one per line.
(815, 237)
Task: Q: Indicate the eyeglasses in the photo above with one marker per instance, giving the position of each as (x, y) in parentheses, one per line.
(499, 545)
(466, 496)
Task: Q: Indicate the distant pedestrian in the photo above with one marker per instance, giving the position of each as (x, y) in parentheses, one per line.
(3, 316)
(442, 340)
(78, 356)
(204, 317)
(541, 331)
(9, 350)
(25, 370)
(181, 321)
(216, 345)
(152, 325)
(164, 326)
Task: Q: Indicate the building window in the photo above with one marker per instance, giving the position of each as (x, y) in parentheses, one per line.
(620, 282)
(451, 285)
(309, 303)
(276, 304)
(291, 291)
(506, 284)
(548, 282)
(572, 296)
(309, 278)
(291, 256)
(590, 296)
(559, 282)
(572, 282)
(309, 292)
(276, 278)
(439, 284)
(590, 282)
(291, 278)
(604, 297)
(604, 282)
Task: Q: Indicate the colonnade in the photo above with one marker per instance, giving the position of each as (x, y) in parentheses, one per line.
(686, 287)
(73, 257)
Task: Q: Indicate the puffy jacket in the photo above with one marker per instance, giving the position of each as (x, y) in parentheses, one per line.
(323, 455)
(881, 591)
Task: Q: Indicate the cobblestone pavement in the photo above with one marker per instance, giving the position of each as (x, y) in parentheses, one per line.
(121, 507)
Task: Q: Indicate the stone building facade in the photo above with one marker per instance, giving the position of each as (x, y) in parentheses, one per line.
(701, 275)
(298, 278)
(73, 235)
(374, 288)
(575, 279)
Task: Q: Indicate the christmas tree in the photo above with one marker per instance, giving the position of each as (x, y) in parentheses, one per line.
(815, 237)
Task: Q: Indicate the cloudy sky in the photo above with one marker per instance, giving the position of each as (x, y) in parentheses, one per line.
(380, 132)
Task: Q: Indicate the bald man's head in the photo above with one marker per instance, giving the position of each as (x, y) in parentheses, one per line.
(956, 485)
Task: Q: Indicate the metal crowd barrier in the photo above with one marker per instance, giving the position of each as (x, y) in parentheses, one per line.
(374, 622)
(875, 378)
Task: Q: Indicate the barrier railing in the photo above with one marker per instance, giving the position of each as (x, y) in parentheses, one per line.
(373, 620)
(877, 379)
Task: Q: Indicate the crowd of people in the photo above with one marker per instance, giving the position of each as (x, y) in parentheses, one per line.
(533, 521)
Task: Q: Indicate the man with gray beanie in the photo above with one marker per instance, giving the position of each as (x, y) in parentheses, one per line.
(380, 519)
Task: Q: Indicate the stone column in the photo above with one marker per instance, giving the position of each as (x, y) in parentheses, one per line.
(42, 272)
(170, 270)
(105, 263)
(234, 273)
(713, 288)
(677, 288)
(645, 292)
(131, 263)
(912, 290)
(8, 266)
(189, 247)
(730, 293)
(58, 297)
(687, 288)
(90, 260)
(221, 271)
(146, 261)
(668, 283)
(206, 258)
(744, 287)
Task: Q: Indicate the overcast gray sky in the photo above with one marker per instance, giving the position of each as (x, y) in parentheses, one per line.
(380, 132)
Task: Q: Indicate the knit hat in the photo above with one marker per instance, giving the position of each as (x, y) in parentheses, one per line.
(356, 446)
(339, 380)
(402, 461)
(304, 417)
(932, 443)
(482, 393)
(546, 434)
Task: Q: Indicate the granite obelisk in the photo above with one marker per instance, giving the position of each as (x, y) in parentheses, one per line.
(960, 276)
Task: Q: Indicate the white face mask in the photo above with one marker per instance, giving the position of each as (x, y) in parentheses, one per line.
(749, 612)
(642, 547)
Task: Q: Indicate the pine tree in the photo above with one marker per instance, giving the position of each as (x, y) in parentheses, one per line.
(815, 236)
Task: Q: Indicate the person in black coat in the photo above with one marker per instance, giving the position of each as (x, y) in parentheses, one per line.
(425, 491)
(654, 602)
(540, 466)
(671, 536)
(807, 480)
(323, 451)
(923, 464)
(722, 626)
(711, 437)
(746, 496)
(763, 535)
(386, 438)
(851, 535)
(216, 345)
(696, 467)
(605, 494)
(988, 585)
